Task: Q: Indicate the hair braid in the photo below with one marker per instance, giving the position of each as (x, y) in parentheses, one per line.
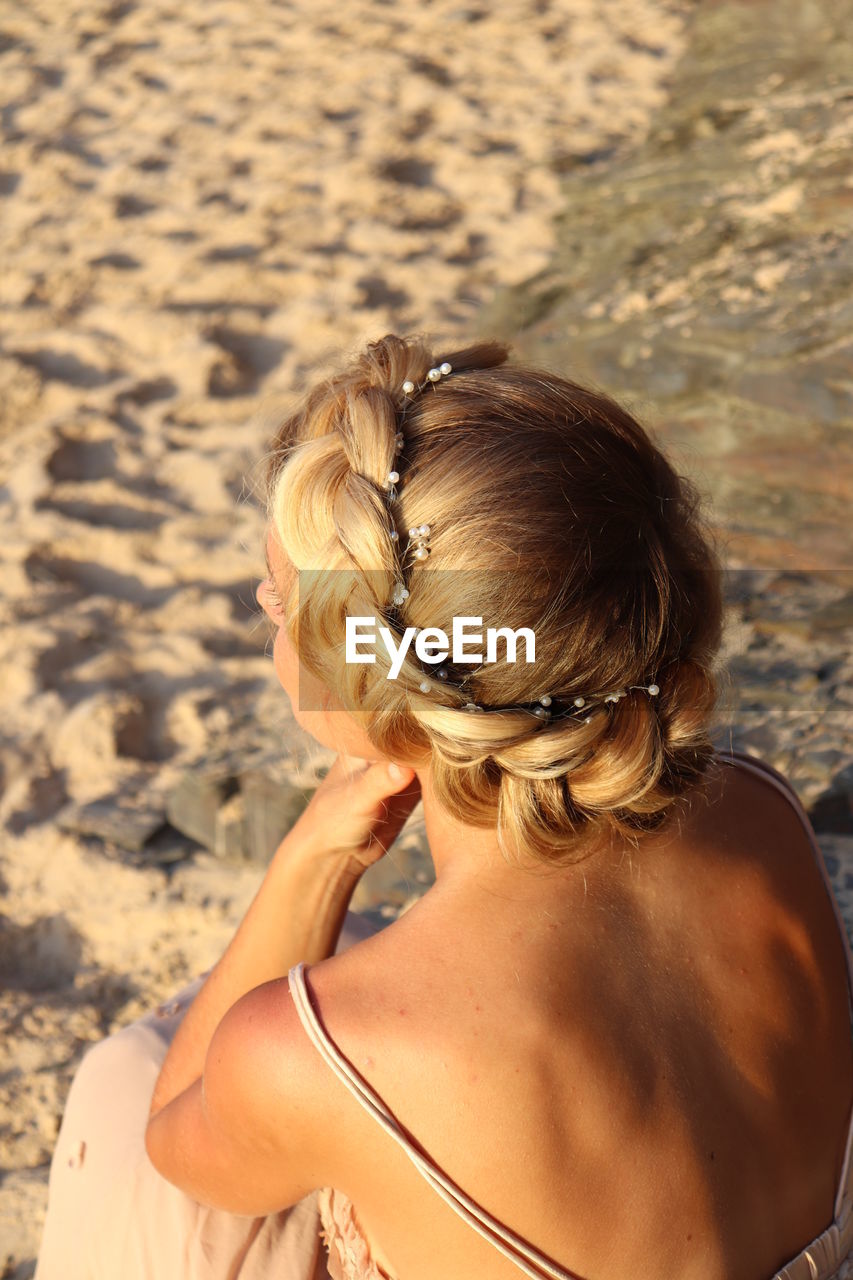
(516, 470)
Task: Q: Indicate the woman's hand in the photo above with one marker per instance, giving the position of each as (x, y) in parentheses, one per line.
(358, 810)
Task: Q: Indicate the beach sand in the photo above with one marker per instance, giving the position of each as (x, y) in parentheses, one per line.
(203, 207)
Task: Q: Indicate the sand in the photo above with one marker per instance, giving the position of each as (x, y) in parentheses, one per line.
(203, 207)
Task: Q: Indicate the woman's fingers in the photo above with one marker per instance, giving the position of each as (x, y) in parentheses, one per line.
(388, 797)
(360, 807)
(380, 777)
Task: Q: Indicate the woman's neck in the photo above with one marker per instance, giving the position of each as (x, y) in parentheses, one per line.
(470, 858)
(469, 863)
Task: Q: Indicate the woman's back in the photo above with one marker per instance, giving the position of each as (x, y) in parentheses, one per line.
(659, 1085)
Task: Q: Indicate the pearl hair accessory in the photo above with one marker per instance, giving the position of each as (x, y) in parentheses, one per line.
(418, 542)
(418, 545)
(420, 538)
(435, 375)
(543, 711)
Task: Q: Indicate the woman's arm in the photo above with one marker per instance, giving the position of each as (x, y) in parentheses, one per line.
(299, 910)
(297, 914)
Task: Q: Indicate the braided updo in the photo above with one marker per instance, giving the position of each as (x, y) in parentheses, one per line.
(570, 521)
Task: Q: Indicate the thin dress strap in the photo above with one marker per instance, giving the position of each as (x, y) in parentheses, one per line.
(764, 770)
(477, 1217)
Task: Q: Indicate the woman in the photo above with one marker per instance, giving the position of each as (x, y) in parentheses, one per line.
(613, 1039)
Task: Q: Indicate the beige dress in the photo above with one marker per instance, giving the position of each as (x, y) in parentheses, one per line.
(112, 1216)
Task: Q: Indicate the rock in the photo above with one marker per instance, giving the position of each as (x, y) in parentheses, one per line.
(837, 853)
(229, 828)
(236, 815)
(835, 617)
(127, 821)
(405, 871)
(271, 808)
(39, 956)
(833, 811)
(193, 803)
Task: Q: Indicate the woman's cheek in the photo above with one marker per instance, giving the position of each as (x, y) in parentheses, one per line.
(315, 708)
(308, 696)
(286, 665)
(310, 700)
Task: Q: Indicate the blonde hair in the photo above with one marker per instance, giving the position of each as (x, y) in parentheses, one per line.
(604, 554)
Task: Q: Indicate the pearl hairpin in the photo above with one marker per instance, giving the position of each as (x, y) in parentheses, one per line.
(433, 376)
(419, 535)
(420, 538)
